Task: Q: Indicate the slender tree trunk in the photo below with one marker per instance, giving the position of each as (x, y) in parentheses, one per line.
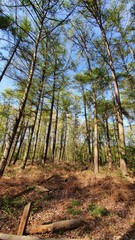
(10, 59)
(37, 132)
(95, 134)
(123, 166)
(56, 127)
(115, 125)
(45, 48)
(5, 133)
(28, 144)
(61, 141)
(96, 152)
(27, 151)
(33, 128)
(20, 143)
(21, 109)
(100, 150)
(50, 120)
(109, 158)
(65, 139)
(92, 143)
(16, 141)
(86, 123)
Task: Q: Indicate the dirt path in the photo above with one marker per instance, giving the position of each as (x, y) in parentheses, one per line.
(106, 203)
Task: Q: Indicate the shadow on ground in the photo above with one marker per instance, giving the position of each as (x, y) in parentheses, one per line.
(70, 195)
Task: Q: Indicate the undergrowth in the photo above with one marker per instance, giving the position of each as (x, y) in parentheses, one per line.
(9, 205)
(73, 208)
(98, 211)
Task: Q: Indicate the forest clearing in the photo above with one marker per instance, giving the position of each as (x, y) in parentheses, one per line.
(105, 202)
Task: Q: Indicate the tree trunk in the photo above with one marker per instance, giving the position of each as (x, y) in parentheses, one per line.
(20, 143)
(33, 127)
(50, 120)
(96, 152)
(86, 123)
(45, 51)
(61, 141)
(16, 141)
(37, 132)
(21, 109)
(56, 126)
(115, 120)
(95, 133)
(28, 145)
(64, 139)
(123, 166)
(97, 15)
(109, 158)
(5, 133)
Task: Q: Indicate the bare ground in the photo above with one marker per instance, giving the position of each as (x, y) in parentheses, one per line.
(106, 202)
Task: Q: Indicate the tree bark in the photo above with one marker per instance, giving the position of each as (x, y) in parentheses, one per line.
(86, 123)
(5, 133)
(61, 140)
(20, 143)
(50, 120)
(56, 127)
(16, 141)
(37, 132)
(109, 158)
(33, 127)
(64, 138)
(96, 152)
(45, 51)
(123, 166)
(27, 149)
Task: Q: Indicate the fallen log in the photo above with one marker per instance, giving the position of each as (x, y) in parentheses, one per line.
(29, 189)
(4, 236)
(56, 226)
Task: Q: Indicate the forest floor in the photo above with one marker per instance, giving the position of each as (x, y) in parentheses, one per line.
(105, 202)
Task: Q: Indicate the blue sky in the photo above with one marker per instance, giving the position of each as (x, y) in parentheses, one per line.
(6, 83)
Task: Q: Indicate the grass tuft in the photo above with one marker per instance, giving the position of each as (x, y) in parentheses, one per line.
(98, 211)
